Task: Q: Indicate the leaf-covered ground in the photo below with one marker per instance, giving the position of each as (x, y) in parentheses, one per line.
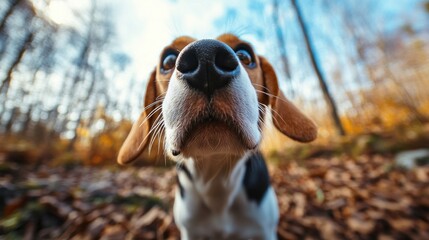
(336, 198)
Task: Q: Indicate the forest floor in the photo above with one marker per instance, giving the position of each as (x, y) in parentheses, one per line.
(366, 197)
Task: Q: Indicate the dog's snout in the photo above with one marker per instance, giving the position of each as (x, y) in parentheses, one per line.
(207, 65)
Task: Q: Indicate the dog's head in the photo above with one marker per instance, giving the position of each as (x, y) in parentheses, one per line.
(210, 97)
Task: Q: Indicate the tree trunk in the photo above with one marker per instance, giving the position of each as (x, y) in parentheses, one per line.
(27, 122)
(281, 42)
(8, 13)
(4, 40)
(87, 96)
(14, 115)
(322, 81)
(6, 81)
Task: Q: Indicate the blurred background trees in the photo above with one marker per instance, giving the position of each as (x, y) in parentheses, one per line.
(356, 67)
(55, 79)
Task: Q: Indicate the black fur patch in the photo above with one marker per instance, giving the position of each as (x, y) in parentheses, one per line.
(256, 179)
(181, 189)
(182, 167)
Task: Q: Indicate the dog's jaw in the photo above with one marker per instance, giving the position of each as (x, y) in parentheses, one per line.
(227, 123)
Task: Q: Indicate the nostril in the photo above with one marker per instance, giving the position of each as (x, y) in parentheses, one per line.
(188, 61)
(225, 60)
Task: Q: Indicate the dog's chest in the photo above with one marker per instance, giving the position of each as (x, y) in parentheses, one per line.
(244, 219)
(243, 206)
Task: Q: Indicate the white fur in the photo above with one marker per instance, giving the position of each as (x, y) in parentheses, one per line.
(220, 209)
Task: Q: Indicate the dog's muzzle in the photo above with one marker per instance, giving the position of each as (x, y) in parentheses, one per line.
(210, 103)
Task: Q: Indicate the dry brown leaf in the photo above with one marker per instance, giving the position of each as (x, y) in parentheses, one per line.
(300, 203)
(336, 203)
(149, 217)
(361, 226)
(96, 227)
(401, 224)
(113, 232)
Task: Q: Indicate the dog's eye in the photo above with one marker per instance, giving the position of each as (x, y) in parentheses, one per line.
(244, 56)
(169, 62)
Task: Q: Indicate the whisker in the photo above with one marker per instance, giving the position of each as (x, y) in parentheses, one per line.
(271, 95)
(273, 110)
(149, 133)
(161, 96)
(262, 86)
(162, 133)
(152, 104)
(158, 99)
(151, 114)
(264, 108)
(268, 94)
(261, 122)
(153, 137)
(278, 114)
(157, 125)
(165, 149)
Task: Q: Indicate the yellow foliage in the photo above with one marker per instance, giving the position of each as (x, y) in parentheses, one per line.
(106, 140)
(83, 132)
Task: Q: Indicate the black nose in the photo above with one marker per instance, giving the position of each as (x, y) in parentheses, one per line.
(207, 65)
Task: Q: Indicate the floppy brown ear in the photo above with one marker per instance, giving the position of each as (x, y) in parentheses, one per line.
(287, 118)
(138, 138)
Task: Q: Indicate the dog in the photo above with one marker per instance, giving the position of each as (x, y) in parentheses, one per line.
(207, 99)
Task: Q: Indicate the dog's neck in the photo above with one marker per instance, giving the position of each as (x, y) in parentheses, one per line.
(216, 179)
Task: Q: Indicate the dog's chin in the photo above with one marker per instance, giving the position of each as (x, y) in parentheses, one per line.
(216, 137)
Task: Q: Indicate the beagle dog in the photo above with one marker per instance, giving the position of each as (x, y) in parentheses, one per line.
(207, 100)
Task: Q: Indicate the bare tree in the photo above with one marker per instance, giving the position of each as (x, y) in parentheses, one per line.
(96, 44)
(354, 19)
(17, 59)
(322, 81)
(281, 42)
(13, 4)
